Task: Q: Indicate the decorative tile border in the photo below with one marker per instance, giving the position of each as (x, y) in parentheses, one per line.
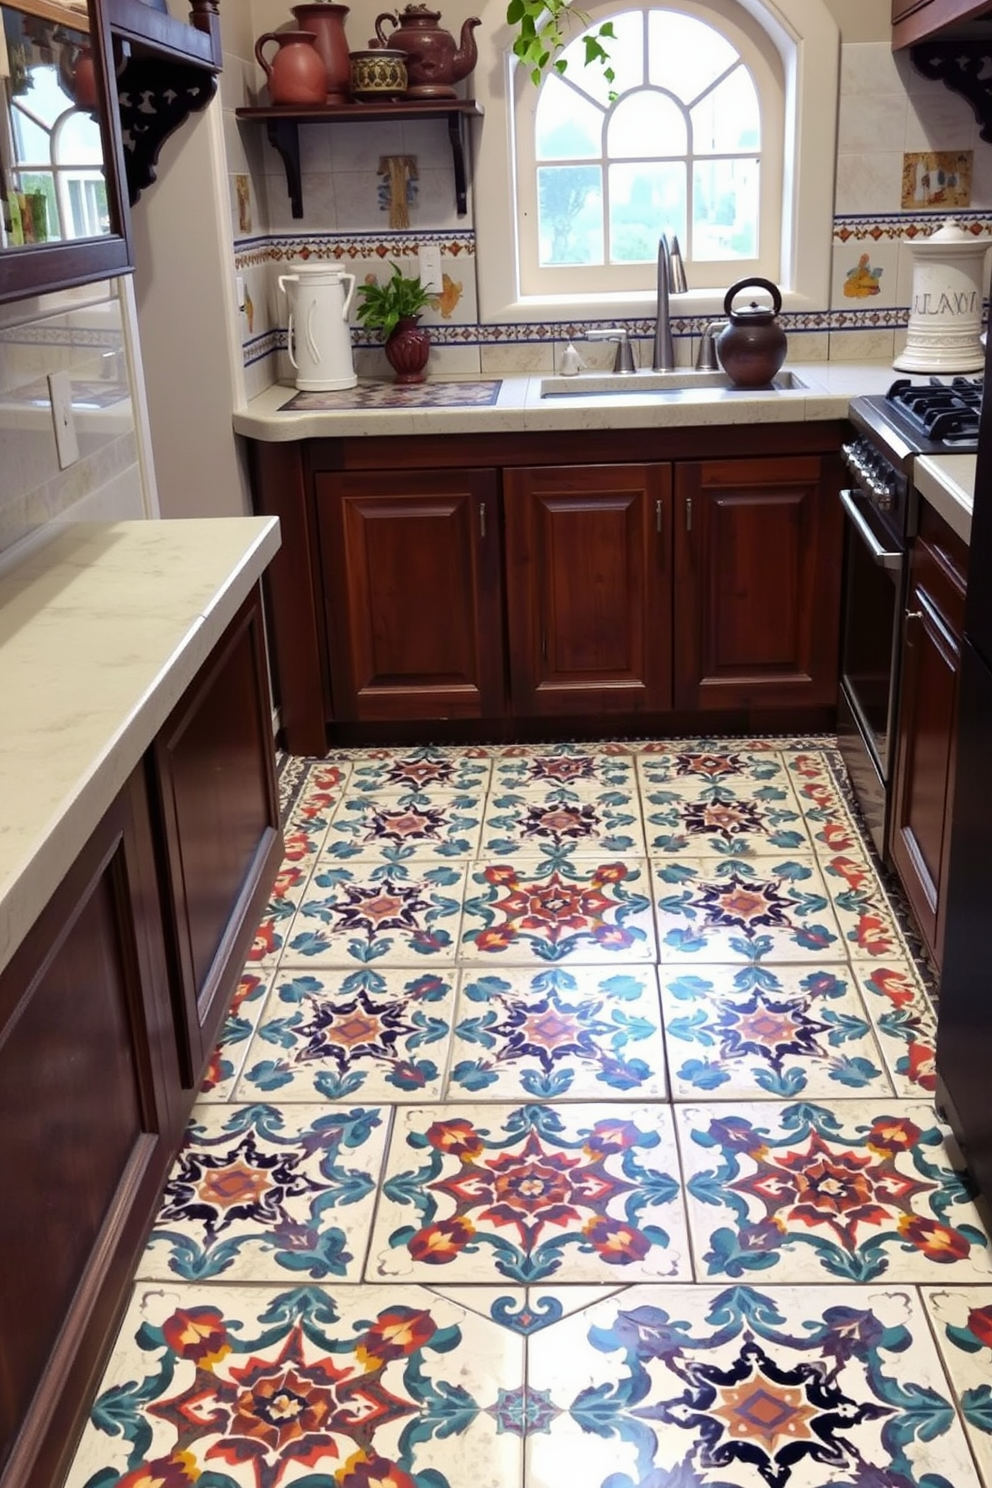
(897, 225)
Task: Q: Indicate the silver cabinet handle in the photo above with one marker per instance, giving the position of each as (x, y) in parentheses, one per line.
(482, 519)
(882, 556)
(657, 516)
(688, 514)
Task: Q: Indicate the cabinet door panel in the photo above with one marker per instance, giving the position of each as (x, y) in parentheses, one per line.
(589, 602)
(413, 594)
(757, 584)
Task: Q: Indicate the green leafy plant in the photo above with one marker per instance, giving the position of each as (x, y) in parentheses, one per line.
(387, 304)
(541, 27)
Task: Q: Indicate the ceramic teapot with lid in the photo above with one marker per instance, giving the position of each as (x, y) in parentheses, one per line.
(434, 59)
(752, 346)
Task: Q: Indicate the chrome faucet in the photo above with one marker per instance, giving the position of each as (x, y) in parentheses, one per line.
(671, 280)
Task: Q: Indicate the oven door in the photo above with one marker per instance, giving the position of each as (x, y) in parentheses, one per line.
(874, 594)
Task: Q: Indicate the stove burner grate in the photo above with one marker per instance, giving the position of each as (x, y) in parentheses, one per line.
(939, 410)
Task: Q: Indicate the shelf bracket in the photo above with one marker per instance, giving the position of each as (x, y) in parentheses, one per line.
(457, 135)
(284, 136)
(155, 96)
(963, 66)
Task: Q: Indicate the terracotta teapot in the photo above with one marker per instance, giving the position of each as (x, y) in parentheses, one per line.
(434, 60)
(752, 346)
(296, 74)
(77, 75)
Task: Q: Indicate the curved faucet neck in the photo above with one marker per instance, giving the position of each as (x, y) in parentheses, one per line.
(664, 347)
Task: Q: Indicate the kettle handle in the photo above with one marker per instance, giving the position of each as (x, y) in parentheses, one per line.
(387, 15)
(767, 284)
(349, 296)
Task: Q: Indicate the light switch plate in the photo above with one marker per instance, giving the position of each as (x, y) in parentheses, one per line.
(429, 267)
(60, 391)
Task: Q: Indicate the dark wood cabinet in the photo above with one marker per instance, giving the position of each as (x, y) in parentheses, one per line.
(413, 600)
(588, 591)
(923, 790)
(757, 583)
(915, 20)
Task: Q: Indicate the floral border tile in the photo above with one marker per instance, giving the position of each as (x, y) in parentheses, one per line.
(228, 1057)
(905, 1025)
(962, 1324)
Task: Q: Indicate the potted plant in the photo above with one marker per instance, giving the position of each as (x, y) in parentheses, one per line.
(394, 308)
(540, 36)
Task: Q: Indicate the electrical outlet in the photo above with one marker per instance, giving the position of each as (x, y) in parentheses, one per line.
(239, 291)
(429, 267)
(60, 392)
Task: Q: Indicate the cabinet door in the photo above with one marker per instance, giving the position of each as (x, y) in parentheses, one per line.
(588, 594)
(412, 594)
(757, 583)
(931, 662)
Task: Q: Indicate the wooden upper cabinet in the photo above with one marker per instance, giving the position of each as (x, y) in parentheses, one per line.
(757, 582)
(413, 597)
(588, 591)
(916, 20)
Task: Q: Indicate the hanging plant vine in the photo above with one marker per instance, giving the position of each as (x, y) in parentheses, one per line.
(541, 27)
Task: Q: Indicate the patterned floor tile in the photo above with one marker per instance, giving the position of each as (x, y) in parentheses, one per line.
(366, 912)
(271, 934)
(563, 823)
(578, 1034)
(821, 801)
(962, 1324)
(421, 772)
(575, 1193)
(573, 767)
(335, 1035)
(436, 827)
(527, 910)
(853, 1191)
(743, 1388)
(229, 1056)
(742, 820)
(526, 1310)
(263, 1193)
(698, 762)
(253, 1387)
(314, 806)
(721, 909)
(904, 1023)
(756, 1031)
(862, 908)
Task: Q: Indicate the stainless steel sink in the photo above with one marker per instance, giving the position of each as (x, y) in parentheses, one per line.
(682, 380)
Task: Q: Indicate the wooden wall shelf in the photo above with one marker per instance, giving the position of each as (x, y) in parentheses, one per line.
(283, 124)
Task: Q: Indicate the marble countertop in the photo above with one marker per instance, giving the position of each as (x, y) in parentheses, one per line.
(947, 482)
(102, 629)
(827, 389)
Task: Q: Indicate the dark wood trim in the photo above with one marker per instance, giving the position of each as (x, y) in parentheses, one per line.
(914, 21)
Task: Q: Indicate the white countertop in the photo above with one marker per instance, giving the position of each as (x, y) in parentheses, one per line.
(101, 631)
(947, 482)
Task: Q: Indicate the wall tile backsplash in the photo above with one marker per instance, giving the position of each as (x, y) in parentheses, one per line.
(886, 110)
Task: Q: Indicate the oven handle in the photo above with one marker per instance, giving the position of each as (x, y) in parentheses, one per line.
(881, 555)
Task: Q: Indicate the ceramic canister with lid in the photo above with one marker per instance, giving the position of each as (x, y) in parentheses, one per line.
(319, 339)
(945, 317)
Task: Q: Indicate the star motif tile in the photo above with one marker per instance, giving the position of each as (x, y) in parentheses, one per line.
(574, 1033)
(226, 1061)
(423, 827)
(904, 1023)
(577, 1193)
(527, 910)
(738, 767)
(260, 1387)
(752, 1386)
(342, 1035)
(962, 1324)
(856, 1191)
(261, 1193)
(364, 912)
(734, 820)
(563, 823)
(723, 909)
(421, 772)
(773, 1032)
(568, 767)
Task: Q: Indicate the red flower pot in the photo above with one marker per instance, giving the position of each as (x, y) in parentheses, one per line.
(407, 350)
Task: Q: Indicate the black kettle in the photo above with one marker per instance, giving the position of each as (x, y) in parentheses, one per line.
(752, 345)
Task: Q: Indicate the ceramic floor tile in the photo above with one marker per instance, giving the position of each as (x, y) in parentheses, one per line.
(904, 1022)
(774, 1032)
(962, 1323)
(272, 931)
(815, 777)
(229, 1056)
(527, 910)
(335, 1035)
(739, 820)
(744, 1387)
(364, 913)
(702, 763)
(854, 1191)
(868, 925)
(526, 1310)
(562, 1032)
(725, 910)
(435, 827)
(257, 1387)
(421, 771)
(563, 823)
(324, 786)
(268, 1193)
(575, 1193)
(574, 767)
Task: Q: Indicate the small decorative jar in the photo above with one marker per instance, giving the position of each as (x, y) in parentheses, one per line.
(378, 73)
(945, 317)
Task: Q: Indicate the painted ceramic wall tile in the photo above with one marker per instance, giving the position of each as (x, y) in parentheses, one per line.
(579, 1193)
(335, 1035)
(904, 1023)
(389, 914)
(576, 1033)
(263, 1193)
(856, 1191)
(744, 1388)
(687, 761)
(574, 767)
(229, 1056)
(253, 1387)
(862, 908)
(762, 1031)
(746, 819)
(563, 823)
(426, 826)
(527, 910)
(962, 1323)
(724, 909)
(399, 771)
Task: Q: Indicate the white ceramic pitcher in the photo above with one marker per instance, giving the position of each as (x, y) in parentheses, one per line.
(319, 338)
